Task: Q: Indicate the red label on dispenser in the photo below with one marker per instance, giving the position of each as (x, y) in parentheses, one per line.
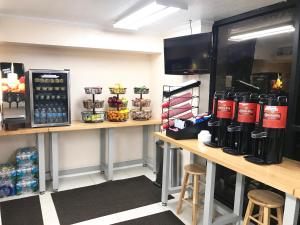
(246, 112)
(275, 116)
(225, 108)
(257, 113)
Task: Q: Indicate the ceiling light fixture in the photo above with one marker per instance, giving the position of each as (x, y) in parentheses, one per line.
(262, 33)
(145, 16)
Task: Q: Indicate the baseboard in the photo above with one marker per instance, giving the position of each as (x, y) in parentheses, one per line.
(96, 169)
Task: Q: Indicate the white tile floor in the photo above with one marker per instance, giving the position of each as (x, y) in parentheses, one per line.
(50, 216)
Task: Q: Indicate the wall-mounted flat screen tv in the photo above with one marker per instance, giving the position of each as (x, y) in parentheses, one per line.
(188, 55)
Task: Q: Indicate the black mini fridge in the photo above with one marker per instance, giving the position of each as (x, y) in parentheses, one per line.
(48, 98)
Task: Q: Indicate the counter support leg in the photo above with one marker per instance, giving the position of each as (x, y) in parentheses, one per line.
(156, 129)
(209, 193)
(103, 143)
(190, 191)
(54, 161)
(291, 210)
(145, 144)
(40, 144)
(166, 174)
(239, 197)
(110, 163)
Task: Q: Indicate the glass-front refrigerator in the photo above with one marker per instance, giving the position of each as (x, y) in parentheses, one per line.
(48, 98)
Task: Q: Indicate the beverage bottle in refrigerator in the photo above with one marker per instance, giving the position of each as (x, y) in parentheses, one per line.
(59, 114)
(43, 117)
(37, 118)
(54, 112)
(64, 114)
(49, 115)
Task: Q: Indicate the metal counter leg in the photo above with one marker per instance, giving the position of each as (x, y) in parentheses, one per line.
(190, 191)
(145, 144)
(111, 147)
(166, 174)
(209, 193)
(239, 197)
(54, 161)
(291, 210)
(40, 143)
(103, 141)
(156, 129)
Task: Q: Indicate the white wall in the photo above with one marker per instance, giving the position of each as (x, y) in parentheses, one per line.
(56, 33)
(125, 58)
(88, 68)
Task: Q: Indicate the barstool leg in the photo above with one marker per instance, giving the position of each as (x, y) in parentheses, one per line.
(267, 213)
(183, 189)
(261, 214)
(248, 213)
(195, 200)
(280, 215)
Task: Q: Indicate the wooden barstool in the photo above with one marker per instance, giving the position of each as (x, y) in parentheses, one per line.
(266, 200)
(196, 171)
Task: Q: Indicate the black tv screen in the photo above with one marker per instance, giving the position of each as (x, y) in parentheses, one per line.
(188, 55)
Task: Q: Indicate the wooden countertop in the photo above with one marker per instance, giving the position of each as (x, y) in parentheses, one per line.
(78, 125)
(24, 131)
(297, 193)
(284, 176)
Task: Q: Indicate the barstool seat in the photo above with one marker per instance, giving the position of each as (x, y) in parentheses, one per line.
(265, 200)
(196, 171)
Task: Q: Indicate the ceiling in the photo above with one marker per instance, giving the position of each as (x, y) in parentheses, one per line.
(103, 13)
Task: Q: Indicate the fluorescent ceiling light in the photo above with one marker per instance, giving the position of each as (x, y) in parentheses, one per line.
(144, 16)
(263, 33)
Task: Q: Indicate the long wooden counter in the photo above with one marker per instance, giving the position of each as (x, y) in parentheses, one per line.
(297, 193)
(284, 176)
(24, 131)
(78, 125)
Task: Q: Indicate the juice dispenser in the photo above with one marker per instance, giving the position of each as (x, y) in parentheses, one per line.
(12, 97)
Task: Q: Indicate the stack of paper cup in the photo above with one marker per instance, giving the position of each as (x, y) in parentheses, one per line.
(204, 136)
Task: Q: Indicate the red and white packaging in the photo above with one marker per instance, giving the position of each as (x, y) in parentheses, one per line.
(177, 100)
(225, 109)
(275, 117)
(176, 111)
(247, 112)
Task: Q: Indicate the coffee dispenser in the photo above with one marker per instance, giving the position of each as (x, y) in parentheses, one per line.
(240, 134)
(233, 129)
(268, 138)
(221, 118)
(214, 124)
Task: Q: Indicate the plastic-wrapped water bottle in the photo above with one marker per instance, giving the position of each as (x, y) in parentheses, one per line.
(27, 171)
(27, 185)
(27, 156)
(7, 188)
(7, 172)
